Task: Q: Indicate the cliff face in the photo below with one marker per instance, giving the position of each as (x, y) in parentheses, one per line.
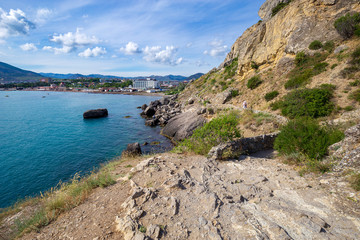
(291, 30)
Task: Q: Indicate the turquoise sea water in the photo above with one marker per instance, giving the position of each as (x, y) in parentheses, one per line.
(44, 138)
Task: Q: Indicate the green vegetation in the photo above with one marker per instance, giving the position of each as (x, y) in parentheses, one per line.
(176, 90)
(271, 95)
(312, 103)
(355, 95)
(142, 229)
(24, 85)
(349, 72)
(306, 68)
(315, 45)
(254, 82)
(355, 83)
(58, 200)
(230, 70)
(328, 86)
(355, 181)
(349, 108)
(305, 136)
(234, 93)
(278, 7)
(347, 25)
(334, 66)
(329, 46)
(254, 65)
(219, 130)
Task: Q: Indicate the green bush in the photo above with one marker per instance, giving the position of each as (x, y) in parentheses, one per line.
(300, 58)
(315, 45)
(278, 7)
(218, 130)
(271, 95)
(319, 68)
(305, 136)
(312, 103)
(300, 79)
(347, 25)
(355, 95)
(329, 46)
(334, 66)
(327, 86)
(254, 65)
(230, 70)
(355, 83)
(176, 90)
(349, 108)
(234, 93)
(254, 82)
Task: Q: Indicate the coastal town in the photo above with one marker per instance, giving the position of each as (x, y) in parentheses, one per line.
(95, 85)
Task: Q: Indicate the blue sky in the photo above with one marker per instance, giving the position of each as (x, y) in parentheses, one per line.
(123, 38)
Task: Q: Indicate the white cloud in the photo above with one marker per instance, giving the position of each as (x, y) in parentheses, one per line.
(42, 15)
(71, 41)
(14, 23)
(96, 51)
(28, 47)
(131, 48)
(217, 49)
(166, 56)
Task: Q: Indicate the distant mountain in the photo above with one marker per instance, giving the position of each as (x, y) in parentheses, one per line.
(194, 76)
(9, 73)
(159, 78)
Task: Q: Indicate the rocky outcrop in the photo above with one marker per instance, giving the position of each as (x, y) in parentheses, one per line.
(250, 199)
(96, 113)
(348, 150)
(182, 126)
(222, 97)
(291, 30)
(234, 149)
(132, 149)
(159, 112)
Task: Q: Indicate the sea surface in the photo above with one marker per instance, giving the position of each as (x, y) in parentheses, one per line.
(44, 138)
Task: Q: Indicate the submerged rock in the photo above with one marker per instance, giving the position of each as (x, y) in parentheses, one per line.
(96, 113)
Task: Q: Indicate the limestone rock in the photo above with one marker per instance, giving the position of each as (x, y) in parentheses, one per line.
(96, 113)
(222, 97)
(182, 126)
(267, 7)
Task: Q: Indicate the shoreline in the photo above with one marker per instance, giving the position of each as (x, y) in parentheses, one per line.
(123, 93)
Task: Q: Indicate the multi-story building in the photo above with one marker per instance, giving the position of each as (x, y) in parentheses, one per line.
(148, 83)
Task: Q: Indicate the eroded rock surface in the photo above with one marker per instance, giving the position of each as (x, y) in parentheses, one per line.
(251, 199)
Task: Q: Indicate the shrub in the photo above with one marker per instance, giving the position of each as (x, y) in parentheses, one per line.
(347, 25)
(334, 66)
(300, 79)
(300, 58)
(355, 181)
(271, 95)
(218, 130)
(319, 68)
(234, 93)
(176, 90)
(355, 57)
(349, 71)
(254, 65)
(349, 108)
(355, 83)
(278, 7)
(329, 46)
(327, 86)
(305, 136)
(230, 70)
(355, 95)
(212, 81)
(313, 103)
(254, 82)
(315, 45)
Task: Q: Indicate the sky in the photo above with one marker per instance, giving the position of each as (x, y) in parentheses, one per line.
(122, 38)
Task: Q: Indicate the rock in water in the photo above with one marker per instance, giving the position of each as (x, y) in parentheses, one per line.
(96, 113)
(133, 149)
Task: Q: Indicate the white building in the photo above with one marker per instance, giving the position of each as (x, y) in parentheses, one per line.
(143, 84)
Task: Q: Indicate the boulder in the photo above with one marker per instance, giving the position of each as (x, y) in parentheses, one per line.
(133, 149)
(96, 113)
(143, 107)
(149, 111)
(182, 126)
(222, 97)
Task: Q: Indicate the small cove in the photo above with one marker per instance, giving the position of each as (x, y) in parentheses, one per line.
(44, 138)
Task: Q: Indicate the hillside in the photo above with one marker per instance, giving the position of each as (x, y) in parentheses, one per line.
(267, 52)
(9, 73)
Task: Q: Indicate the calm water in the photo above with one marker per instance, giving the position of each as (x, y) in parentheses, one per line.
(45, 139)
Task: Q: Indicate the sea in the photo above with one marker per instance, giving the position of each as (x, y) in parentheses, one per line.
(44, 138)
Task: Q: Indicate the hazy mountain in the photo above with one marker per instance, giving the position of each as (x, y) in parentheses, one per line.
(9, 73)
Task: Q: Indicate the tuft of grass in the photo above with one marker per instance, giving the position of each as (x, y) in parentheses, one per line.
(271, 95)
(315, 45)
(219, 130)
(319, 68)
(300, 79)
(334, 66)
(355, 95)
(142, 229)
(355, 83)
(255, 118)
(254, 82)
(234, 93)
(254, 65)
(349, 108)
(300, 58)
(278, 7)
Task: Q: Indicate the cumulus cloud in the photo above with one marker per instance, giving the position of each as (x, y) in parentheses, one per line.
(28, 47)
(14, 23)
(131, 48)
(71, 41)
(159, 55)
(96, 51)
(42, 15)
(218, 49)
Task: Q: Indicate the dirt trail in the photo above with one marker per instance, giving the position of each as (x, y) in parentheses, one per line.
(174, 196)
